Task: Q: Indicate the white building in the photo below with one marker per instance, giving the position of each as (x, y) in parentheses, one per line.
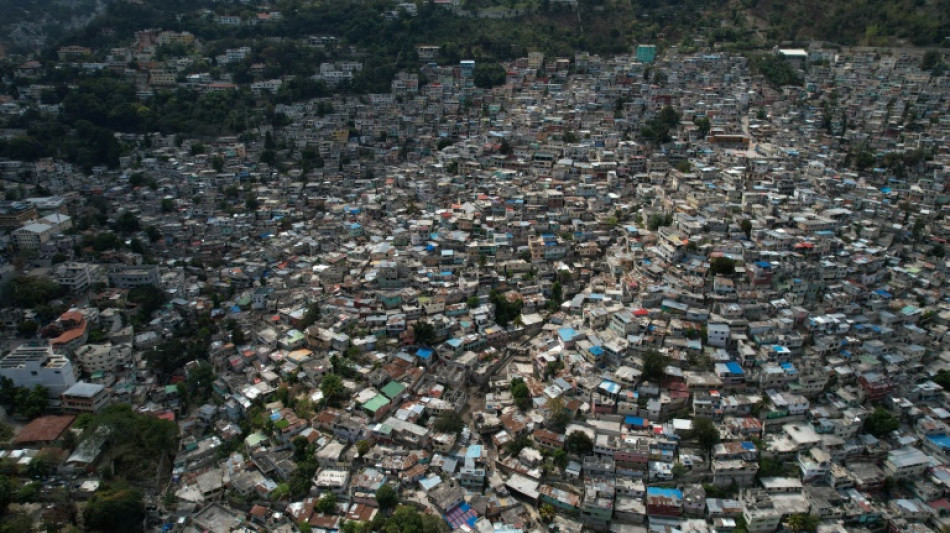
(76, 276)
(31, 236)
(102, 357)
(34, 364)
(134, 276)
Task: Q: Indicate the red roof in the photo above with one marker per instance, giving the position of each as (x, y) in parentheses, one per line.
(44, 429)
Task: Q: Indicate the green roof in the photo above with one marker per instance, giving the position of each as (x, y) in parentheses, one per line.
(376, 403)
(393, 389)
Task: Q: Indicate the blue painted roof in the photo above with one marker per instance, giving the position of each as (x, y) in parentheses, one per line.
(661, 491)
(942, 441)
(734, 367)
(633, 421)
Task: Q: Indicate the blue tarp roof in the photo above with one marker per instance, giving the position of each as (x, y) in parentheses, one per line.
(734, 367)
(424, 353)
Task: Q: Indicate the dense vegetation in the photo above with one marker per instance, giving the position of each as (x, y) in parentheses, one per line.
(102, 105)
(115, 508)
(776, 70)
(870, 22)
(138, 444)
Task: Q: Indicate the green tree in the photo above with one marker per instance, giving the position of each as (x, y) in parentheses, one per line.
(311, 316)
(803, 522)
(703, 125)
(488, 75)
(30, 291)
(35, 403)
(127, 223)
(27, 328)
(505, 310)
(16, 523)
(251, 202)
(579, 443)
(654, 365)
(300, 445)
(115, 508)
(386, 496)
(6, 493)
(706, 433)
(424, 333)
(326, 504)
(881, 422)
(657, 129)
(333, 391)
(521, 394)
(517, 444)
(362, 447)
(449, 422)
(722, 266)
(559, 416)
(547, 512)
(942, 378)
(746, 226)
(557, 295)
(408, 519)
(559, 458)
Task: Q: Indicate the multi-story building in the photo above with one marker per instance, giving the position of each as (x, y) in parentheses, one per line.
(131, 277)
(85, 398)
(32, 236)
(906, 463)
(75, 276)
(759, 512)
(33, 364)
(101, 357)
(15, 214)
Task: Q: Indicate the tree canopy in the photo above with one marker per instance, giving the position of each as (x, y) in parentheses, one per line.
(386, 496)
(333, 391)
(579, 443)
(30, 291)
(449, 422)
(881, 422)
(706, 433)
(654, 365)
(115, 509)
(136, 442)
(521, 393)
